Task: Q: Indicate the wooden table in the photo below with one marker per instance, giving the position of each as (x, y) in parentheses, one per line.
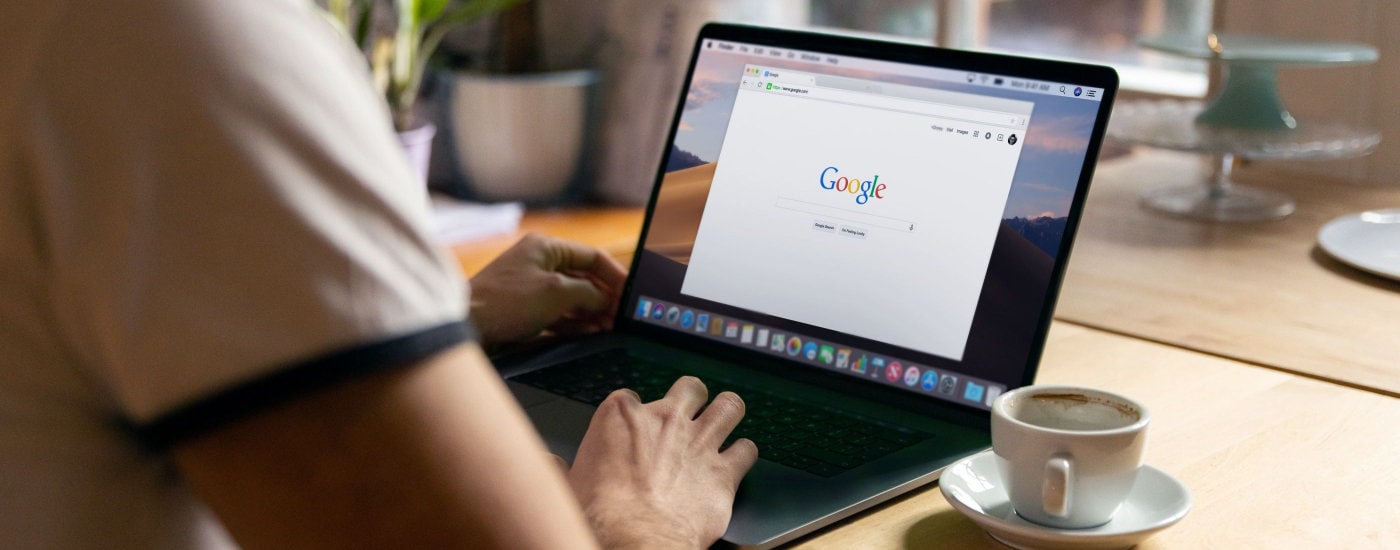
(1273, 460)
(1271, 370)
(1261, 293)
(614, 230)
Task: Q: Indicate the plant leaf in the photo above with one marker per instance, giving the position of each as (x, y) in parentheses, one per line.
(429, 11)
(407, 12)
(421, 27)
(340, 9)
(363, 26)
(461, 15)
(475, 9)
(379, 64)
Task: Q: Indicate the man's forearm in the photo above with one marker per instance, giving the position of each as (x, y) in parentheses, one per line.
(433, 455)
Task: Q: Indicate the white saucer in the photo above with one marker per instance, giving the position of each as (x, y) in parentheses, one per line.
(1369, 241)
(973, 486)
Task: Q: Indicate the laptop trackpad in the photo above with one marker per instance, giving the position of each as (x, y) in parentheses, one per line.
(528, 396)
(561, 421)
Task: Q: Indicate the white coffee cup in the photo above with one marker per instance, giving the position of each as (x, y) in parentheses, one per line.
(1069, 456)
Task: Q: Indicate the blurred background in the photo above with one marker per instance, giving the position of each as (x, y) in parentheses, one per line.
(625, 59)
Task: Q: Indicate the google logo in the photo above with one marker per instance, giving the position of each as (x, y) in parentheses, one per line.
(863, 190)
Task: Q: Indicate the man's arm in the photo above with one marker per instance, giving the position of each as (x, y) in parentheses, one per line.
(433, 455)
(438, 455)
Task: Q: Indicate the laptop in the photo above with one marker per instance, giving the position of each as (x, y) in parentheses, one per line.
(863, 240)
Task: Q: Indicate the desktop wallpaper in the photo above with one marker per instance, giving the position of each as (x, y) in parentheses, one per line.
(1023, 256)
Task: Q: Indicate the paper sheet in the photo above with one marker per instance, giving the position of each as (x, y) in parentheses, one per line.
(456, 221)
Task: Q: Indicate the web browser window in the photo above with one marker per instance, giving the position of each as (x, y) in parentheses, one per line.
(863, 207)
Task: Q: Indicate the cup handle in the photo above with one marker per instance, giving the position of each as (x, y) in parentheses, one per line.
(1054, 489)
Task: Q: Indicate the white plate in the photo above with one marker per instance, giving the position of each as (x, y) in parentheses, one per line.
(1369, 241)
(973, 486)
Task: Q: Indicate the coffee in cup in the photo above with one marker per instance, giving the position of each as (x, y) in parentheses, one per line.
(1069, 456)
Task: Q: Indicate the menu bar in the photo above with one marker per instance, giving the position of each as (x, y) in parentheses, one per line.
(1063, 89)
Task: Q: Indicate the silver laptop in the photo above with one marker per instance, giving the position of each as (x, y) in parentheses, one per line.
(863, 240)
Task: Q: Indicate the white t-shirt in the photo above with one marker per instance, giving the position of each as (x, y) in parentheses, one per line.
(203, 211)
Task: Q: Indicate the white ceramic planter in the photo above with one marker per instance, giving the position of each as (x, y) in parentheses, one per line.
(418, 147)
(521, 137)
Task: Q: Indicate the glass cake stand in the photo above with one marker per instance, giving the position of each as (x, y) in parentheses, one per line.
(1247, 119)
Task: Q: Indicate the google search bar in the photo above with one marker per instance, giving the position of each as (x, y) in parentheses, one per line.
(940, 110)
(845, 214)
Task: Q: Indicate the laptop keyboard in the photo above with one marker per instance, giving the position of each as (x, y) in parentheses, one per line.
(811, 438)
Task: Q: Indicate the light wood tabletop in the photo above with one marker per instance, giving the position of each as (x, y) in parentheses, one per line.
(1258, 292)
(1272, 460)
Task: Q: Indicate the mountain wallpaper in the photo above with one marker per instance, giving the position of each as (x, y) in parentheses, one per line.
(1044, 232)
(681, 159)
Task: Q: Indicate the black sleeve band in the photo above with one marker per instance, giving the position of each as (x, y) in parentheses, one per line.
(286, 384)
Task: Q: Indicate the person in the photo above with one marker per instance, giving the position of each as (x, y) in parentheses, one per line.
(223, 321)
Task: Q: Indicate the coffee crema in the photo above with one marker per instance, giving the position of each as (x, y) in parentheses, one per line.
(1074, 412)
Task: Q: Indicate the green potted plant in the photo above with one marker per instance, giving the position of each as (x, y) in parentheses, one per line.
(398, 59)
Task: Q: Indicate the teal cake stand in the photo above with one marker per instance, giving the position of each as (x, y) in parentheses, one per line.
(1246, 119)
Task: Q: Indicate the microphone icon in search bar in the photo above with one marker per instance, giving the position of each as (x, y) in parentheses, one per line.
(845, 214)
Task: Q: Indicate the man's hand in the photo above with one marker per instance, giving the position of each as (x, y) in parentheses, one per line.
(652, 475)
(545, 283)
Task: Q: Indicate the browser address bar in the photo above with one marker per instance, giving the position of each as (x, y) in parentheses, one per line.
(939, 110)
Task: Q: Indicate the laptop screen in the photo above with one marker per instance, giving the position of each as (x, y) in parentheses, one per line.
(896, 221)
